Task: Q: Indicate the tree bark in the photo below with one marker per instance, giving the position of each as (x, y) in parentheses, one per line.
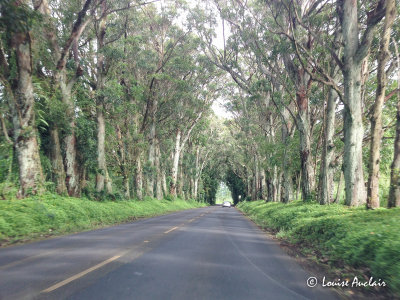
(151, 159)
(376, 118)
(394, 192)
(159, 192)
(353, 126)
(103, 181)
(303, 124)
(23, 116)
(175, 164)
(327, 170)
(58, 172)
(139, 178)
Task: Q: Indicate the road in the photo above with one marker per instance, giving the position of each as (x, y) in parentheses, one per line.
(206, 253)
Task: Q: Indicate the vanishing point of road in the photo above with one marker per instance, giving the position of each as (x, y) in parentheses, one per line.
(205, 253)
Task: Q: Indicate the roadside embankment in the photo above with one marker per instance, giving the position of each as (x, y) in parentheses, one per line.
(368, 241)
(47, 215)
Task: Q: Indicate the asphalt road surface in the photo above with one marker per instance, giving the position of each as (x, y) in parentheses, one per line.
(206, 253)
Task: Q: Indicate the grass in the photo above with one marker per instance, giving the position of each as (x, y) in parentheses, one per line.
(50, 214)
(362, 239)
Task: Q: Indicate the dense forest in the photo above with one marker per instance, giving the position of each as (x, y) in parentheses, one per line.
(113, 99)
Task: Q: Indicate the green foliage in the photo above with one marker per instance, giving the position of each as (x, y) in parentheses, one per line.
(236, 186)
(51, 214)
(356, 236)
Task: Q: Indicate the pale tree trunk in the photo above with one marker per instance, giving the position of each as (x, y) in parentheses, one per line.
(69, 141)
(175, 163)
(123, 163)
(164, 183)
(326, 185)
(181, 179)
(325, 189)
(159, 193)
(57, 162)
(376, 118)
(394, 192)
(263, 183)
(275, 185)
(196, 173)
(139, 178)
(286, 189)
(151, 159)
(353, 56)
(102, 179)
(23, 117)
(303, 123)
(103, 182)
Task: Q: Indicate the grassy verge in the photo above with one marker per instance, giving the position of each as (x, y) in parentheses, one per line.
(365, 240)
(36, 217)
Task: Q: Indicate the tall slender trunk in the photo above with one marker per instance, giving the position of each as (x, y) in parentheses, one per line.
(123, 162)
(139, 178)
(151, 161)
(394, 192)
(303, 123)
(175, 164)
(102, 179)
(164, 183)
(353, 127)
(58, 172)
(325, 189)
(263, 183)
(286, 189)
(376, 118)
(181, 179)
(275, 184)
(354, 52)
(159, 193)
(23, 117)
(103, 182)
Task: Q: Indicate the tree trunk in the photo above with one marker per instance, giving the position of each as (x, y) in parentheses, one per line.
(394, 192)
(353, 126)
(376, 118)
(175, 164)
(139, 178)
(326, 175)
(164, 183)
(275, 185)
(181, 180)
(58, 172)
(303, 123)
(23, 116)
(159, 193)
(123, 163)
(151, 159)
(102, 179)
(263, 183)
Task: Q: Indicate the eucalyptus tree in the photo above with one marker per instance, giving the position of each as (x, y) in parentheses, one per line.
(62, 44)
(16, 70)
(376, 118)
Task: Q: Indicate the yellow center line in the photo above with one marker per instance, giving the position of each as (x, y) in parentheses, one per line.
(81, 274)
(191, 220)
(172, 229)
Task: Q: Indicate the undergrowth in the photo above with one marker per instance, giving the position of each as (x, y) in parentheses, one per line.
(360, 238)
(51, 214)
